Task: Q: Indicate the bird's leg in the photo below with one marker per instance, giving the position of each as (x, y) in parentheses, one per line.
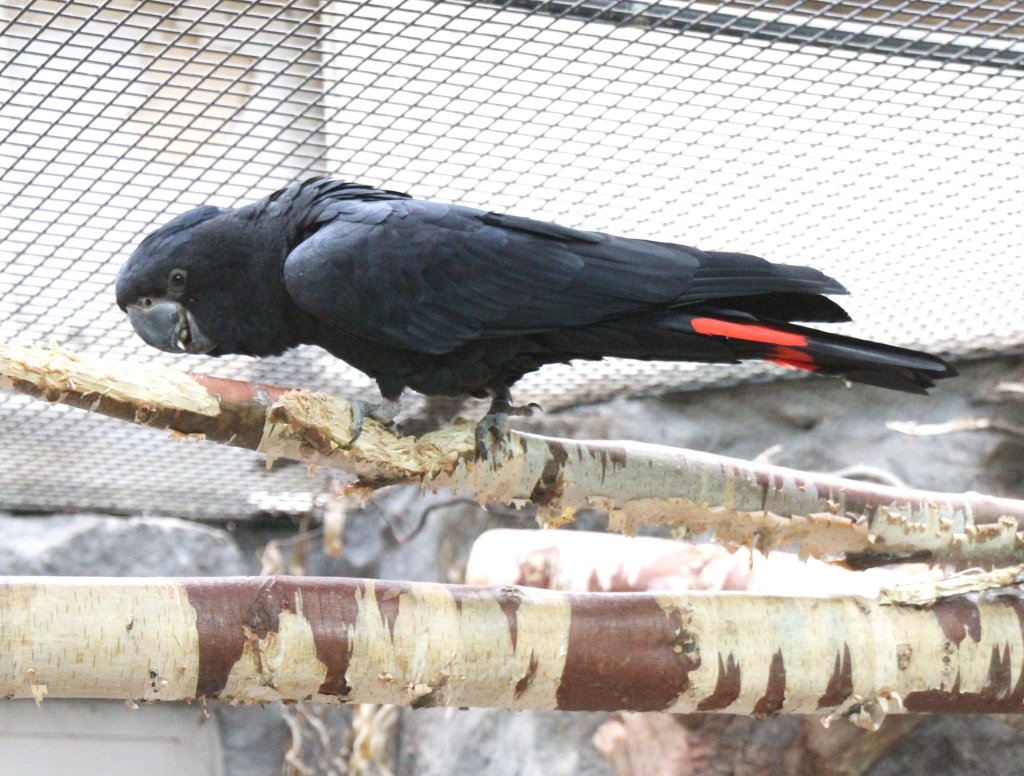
(494, 425)
(385, 412)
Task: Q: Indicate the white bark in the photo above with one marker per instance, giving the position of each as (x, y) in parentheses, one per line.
(417, 644)
(585, 561)
(742, 502)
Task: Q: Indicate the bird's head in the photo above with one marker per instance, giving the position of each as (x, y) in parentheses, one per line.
(206, 282)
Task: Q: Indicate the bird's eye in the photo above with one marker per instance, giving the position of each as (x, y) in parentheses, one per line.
(146, 302)
(177, 279)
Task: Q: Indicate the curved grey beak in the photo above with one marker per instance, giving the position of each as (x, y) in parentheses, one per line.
(168, 326)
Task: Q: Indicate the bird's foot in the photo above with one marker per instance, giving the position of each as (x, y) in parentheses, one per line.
(384, 412)
(492, 433)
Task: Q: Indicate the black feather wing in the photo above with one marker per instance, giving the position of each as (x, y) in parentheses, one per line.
(430, 277)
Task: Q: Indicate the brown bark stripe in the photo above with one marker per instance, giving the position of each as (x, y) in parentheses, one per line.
(237, 613)
(1002, 688)
(958, 617)
(552, 480)
(219, 621)
(997, 698)
(774, 697)
(727, 688)
(840, 684)
(624, 652)
(388, 595)
(509, 598)
(524, 684)
(539, 568)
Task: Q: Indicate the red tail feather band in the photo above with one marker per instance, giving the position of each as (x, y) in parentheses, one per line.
(747, 331)
(797, 359)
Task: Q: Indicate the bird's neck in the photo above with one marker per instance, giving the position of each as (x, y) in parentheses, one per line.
(275, 322)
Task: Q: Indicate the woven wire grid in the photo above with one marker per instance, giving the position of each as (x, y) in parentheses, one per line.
(882, 142)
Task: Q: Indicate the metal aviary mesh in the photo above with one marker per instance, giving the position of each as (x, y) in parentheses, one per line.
(880, 141)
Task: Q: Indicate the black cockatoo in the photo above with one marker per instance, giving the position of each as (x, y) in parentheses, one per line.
(452, 300)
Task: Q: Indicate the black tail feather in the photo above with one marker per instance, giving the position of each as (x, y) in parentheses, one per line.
(857, 360)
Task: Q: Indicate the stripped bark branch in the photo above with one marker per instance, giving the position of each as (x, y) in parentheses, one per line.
(671, 744)
(742, 502)
(254, 640)
(956, 426)
(589, 561)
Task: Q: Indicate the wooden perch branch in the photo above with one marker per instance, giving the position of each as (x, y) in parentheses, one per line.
(742, 502)
(586, 561)
(254, 640)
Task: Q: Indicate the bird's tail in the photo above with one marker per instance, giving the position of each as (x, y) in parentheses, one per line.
(799, 347)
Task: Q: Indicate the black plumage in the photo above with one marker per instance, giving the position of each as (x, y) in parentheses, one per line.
(451, 300)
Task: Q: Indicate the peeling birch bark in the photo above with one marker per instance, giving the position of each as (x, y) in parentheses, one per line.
(742, 502)
(253, 640)
(645, 743)
(925, 592)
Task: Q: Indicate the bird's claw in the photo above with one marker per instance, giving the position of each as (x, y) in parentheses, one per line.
(383, 412)
(492, 432)
(525, 411)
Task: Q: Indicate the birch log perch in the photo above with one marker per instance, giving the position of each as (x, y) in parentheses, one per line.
(742, 502)
(589, 561)
(259, 639)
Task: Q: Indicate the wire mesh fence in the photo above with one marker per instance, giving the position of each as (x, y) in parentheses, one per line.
(882, 142)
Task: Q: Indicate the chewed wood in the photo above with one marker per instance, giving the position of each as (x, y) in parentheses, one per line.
(740, 501)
